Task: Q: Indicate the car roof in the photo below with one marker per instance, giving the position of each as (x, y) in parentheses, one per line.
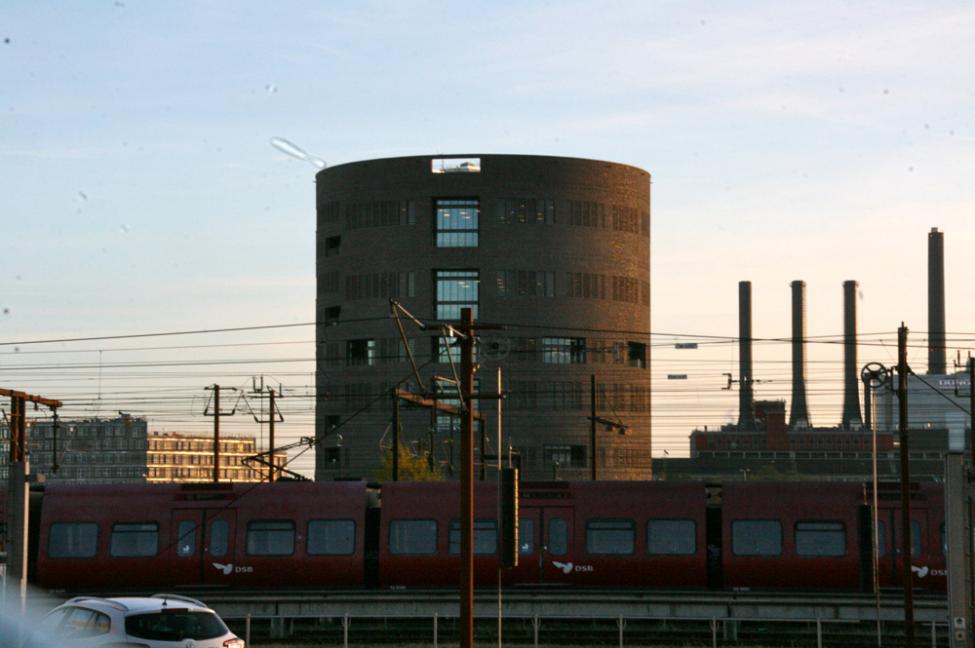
(140, 603)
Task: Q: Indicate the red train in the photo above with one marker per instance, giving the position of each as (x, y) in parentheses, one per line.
(754, 535)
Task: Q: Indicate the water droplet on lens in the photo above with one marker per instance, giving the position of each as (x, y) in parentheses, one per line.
(295, 151)
(886, 91)
(271, 88)
(6, 311)
(6, 41)
(19, 277)
(16, 349)
(82, 196)
(927, 127)
(124, 228)
(910, 169)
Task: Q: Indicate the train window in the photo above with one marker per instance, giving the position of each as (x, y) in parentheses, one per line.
(610, 536)
(756, 537)
(485, 537)
(815, 538)
(526, 535)
(270, 538)
(331, 537)
(186, 539)
(413, 537)
(944, 541)
(131, 540)
(558, 536)
(671, 537)
(72, 540)
(219, 538)
(915, 539)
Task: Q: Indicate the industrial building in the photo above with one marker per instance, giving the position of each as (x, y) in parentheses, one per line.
(554, 252)
(937, 405)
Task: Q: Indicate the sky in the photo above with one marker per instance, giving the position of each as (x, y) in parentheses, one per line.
(142, 193)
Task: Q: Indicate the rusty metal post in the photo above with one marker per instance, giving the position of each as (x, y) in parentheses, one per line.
(466, 638)
(270, 437)
(592, 425)
(395, 456)
(216, 433)
(971, 409)
(902, 371)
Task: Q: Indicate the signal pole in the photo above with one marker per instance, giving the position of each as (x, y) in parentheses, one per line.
(215, 388)
(467, 480)
(906, 534)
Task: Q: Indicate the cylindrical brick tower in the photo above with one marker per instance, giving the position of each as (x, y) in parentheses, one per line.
(556, 251)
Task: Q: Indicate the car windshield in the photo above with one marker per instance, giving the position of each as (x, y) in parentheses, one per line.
(175, 625)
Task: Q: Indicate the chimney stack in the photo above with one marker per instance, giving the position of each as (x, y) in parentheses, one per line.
(852, 420)
(799, 413)
(936, 302)
(746, 405)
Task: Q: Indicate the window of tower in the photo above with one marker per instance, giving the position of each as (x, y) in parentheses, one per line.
(457, 221)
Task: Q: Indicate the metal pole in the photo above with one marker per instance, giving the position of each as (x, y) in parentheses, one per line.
(395, 456)
(592, 424)
(466, 639)
(500, 572)
(971, 409)
(875, 536)
(247, 630)
(216, 433)
(270, 437)
(902, 371)
(436, 631)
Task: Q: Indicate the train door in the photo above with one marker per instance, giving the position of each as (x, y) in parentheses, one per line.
(556, 559)
(891, 566)
(203, 546)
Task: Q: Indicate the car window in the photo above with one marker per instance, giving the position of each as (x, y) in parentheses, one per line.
(175, 625)
(81, 622)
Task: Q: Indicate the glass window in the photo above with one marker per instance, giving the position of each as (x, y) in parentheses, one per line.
(456, 289)
(558, 536)
(563, 350)
(915, 539)
(175, 626)
(413, 537)
(186, 539)
(271, 538)
(637, 354)
(485, 537)
(756, 537)
(72, 540)
(671, 537)
(820, 538)
(565, 455)
(944, 541)
(457, 222)
(360, 352)
(219, 538)
(526, 535)
(331, 537)
(610, 536)
(81, 622)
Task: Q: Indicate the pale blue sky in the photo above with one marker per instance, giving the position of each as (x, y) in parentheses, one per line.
(813, 140)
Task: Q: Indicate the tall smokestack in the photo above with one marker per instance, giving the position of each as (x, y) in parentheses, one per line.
(799, 413)
(936, 302)
(746, 405)
(852, 420)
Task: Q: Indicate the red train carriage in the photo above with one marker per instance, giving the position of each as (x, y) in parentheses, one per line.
(791, 535)
(928, 540)
(151, 536)
(585, 533)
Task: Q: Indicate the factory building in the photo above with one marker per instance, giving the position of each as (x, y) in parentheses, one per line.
(553, 252)
(937, 403)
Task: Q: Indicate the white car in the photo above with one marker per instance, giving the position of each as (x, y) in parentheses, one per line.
(159, 621)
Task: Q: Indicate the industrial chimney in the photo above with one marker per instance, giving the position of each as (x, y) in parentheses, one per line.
(746, 406)
(799, 413)
(852, 420)
(936, 302)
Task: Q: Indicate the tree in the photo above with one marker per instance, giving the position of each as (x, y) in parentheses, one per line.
(411, 468)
